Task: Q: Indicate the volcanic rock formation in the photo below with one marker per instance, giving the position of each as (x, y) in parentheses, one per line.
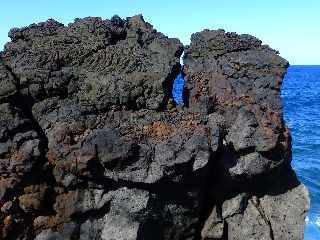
(92, 148)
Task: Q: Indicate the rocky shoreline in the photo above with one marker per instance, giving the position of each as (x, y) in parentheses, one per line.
(92, 146)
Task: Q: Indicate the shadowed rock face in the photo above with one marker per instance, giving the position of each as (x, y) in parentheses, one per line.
(91, 147)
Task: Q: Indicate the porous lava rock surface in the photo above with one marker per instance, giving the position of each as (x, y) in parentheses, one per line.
(91, 146)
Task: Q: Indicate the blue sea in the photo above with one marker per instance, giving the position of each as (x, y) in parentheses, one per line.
(301, 99)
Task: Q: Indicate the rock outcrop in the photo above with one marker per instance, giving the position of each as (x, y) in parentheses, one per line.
(92, 148)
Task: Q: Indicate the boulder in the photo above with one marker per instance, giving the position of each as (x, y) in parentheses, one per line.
(92, 145)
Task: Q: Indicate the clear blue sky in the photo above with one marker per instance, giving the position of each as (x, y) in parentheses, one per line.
(290, 26)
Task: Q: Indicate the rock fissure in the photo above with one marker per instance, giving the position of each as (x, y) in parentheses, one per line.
(258, 207)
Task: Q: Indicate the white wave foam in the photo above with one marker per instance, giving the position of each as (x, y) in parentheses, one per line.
(313, 221)
(317, 222)
(307, 220)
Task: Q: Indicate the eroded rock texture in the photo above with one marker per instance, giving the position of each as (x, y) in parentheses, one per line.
(92, 148)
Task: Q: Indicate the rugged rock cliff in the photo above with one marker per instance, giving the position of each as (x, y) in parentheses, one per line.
(92, 148)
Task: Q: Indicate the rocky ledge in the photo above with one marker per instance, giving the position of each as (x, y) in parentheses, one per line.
(92, 146)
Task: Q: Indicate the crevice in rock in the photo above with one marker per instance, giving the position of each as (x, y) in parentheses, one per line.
(225, 231)
(207, 200)
(41, 171)
(264, 217)
(25, 103)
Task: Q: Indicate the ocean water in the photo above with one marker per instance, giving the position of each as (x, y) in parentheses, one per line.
(301, 100)
(178, 89)
(301, 106)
